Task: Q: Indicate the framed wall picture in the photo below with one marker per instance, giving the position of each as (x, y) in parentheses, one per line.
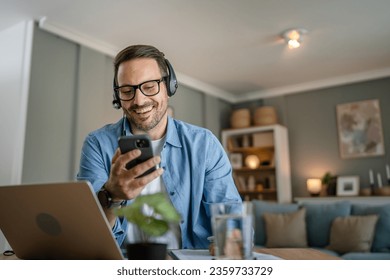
(236, 160)
(347, 185)
(360, 129)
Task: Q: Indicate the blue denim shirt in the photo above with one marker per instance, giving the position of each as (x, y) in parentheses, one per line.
(197, 173)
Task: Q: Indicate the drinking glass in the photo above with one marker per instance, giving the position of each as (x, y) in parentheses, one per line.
(232, 229)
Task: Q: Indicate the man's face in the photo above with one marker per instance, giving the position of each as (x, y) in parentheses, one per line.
(145, 113)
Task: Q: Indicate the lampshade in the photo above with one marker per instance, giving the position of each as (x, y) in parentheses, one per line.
(314, 186)
(252, 161)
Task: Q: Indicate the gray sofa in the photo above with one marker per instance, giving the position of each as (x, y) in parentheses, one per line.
(350, 231)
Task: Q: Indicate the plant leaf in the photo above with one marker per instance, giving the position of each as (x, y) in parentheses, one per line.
(154, 227)
(155, 224)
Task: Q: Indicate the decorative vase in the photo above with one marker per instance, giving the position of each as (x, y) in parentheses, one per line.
(146, 251)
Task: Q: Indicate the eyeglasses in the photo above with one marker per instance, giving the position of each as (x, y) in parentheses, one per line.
(148, 88)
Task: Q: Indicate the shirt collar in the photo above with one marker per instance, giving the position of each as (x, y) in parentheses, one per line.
(172, 133)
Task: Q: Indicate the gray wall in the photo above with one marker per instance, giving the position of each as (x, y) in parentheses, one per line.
(93, 105)
(313, 137)
(200, 109)
(70, 95)
(188, 105)
(50, 114)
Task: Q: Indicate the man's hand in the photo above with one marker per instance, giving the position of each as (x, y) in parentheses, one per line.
(123, 184)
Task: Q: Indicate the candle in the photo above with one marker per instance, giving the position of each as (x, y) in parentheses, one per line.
(388, 172)
(379, 180)
(371, 177)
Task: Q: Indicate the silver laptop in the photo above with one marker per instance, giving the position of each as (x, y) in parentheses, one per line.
(56, 221)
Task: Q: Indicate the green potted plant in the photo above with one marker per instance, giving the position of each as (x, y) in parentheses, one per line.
(330, 182)
(155, 222)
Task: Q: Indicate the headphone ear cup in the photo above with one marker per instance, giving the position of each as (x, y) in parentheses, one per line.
(172, 81)
(116, 103)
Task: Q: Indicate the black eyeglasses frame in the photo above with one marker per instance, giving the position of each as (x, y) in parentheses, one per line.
(135, 87)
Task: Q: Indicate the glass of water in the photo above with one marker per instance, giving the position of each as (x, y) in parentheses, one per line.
(232, 225)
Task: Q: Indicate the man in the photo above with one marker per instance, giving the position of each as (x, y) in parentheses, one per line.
(194, 169)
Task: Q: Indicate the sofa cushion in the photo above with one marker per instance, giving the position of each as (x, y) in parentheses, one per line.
(286, 229)
(381, 241)
(366, 256)
(352, 234)
(319, 218)
(261, 207)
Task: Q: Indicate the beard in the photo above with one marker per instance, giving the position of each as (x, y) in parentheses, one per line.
(149, 122)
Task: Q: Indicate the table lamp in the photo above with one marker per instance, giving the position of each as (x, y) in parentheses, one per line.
(314, 186)
(252, 161)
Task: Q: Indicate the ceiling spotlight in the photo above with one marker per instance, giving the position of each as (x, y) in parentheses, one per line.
(293, 37)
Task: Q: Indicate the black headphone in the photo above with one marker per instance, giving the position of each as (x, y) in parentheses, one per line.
(170, 81)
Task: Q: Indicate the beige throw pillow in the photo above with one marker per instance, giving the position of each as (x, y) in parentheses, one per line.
(286, 229)
(352, 233)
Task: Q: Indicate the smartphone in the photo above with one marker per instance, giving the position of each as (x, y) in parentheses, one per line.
(141, 142)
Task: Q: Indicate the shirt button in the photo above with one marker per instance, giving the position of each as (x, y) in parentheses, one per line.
(172, 193)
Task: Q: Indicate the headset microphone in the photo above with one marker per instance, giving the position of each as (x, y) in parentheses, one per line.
(116, 104)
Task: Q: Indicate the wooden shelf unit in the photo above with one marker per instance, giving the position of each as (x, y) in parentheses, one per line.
(271, 179)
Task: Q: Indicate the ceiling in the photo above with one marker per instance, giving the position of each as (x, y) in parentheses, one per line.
(229, 48)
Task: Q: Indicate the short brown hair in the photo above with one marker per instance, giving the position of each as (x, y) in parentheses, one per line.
(140, 51)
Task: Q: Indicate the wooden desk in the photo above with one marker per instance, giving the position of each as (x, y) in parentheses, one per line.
(275, 253)
(297, 253)
(284, 253)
